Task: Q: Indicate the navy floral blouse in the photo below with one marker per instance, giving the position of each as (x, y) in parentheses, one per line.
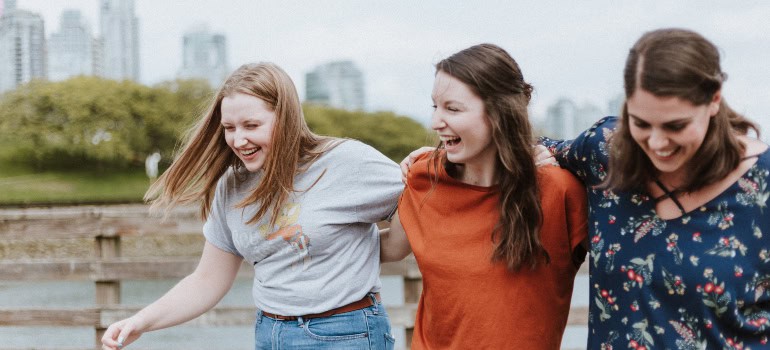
(701, 281)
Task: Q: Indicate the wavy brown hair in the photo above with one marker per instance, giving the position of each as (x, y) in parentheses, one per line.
(493, 75)
(683, 64)
(205, 156)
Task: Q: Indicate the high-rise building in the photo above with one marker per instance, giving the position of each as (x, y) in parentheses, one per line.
(97, 46)
(6, 5)
(205, 56)
(70, 51)
(120, 40)
(337, 84)
(560, 119)
(22, 47)
(565, 120)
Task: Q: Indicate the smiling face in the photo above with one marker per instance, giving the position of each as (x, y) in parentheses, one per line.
(669, 130)
(248, 124)
(460, 120)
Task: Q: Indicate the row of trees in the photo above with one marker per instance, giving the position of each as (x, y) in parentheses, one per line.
(88, 121)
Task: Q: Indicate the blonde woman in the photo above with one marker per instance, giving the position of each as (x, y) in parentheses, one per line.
(299, 207)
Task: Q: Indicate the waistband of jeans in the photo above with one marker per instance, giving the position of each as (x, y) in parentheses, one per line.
(368, 300)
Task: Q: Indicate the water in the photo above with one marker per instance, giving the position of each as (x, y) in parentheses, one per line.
(80, 294)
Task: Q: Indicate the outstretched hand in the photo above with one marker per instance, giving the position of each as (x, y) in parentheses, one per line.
(120, 334)
(409, 160)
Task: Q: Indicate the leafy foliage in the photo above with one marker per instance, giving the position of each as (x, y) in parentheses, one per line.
(93, 121)
(393, 135)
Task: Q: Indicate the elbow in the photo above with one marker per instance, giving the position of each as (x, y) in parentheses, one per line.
(386, 258)
(394, 245)
(391, 256)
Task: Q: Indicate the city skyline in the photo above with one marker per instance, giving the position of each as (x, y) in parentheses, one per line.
(574, 51)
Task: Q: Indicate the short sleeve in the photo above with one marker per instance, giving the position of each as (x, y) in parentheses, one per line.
(373, 183)
(215, 229)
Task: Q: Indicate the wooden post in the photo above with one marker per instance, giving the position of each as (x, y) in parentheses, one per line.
(107, 291)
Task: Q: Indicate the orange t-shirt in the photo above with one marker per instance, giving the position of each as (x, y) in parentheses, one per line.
(467, 301)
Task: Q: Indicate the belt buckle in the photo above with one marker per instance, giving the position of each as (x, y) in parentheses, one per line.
(279, 317)
(286, 318)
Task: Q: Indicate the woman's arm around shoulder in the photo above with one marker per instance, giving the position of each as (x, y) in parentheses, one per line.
(585, 156)
(394, 245)
(191, 297)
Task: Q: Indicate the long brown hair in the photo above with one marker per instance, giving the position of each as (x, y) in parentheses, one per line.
(491, 73)
(683, 64)
(205, 157)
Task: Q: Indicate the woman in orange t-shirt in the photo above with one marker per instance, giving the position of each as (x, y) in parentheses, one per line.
(497, 239)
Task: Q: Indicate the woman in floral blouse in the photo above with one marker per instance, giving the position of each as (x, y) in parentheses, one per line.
(678, 207)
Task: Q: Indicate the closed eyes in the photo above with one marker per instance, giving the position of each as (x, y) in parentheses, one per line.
(673, 126)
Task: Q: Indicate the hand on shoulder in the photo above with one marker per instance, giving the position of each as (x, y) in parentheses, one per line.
(753, 146)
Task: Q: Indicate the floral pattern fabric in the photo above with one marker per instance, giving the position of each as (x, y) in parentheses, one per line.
(700, 281)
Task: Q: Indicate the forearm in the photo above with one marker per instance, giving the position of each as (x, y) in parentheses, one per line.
(195, 294)
(190, 298)
(394, 244)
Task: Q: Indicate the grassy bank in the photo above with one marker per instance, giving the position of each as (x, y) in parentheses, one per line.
(22, 185)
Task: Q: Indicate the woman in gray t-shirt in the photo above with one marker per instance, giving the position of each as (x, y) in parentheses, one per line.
(300, 208)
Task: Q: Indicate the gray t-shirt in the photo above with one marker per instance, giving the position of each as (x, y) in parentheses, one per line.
(324, 250)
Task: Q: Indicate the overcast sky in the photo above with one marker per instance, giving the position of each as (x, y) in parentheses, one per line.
(573, 49)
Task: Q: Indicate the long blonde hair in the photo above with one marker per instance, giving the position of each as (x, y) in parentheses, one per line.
(205, 157)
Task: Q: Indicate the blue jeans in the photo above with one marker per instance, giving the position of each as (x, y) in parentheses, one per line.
(367, 328)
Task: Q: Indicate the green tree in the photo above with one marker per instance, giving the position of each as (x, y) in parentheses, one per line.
(393, 135)
(182, 102)
(93, 121)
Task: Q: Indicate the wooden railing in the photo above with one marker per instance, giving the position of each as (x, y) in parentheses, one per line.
(44, 244)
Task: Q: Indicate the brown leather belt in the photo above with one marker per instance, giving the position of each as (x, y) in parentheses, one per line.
(356, 305)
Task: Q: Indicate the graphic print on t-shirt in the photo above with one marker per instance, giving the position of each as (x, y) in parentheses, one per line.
(291, 232)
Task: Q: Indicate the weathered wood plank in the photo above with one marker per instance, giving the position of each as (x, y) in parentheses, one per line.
(216, 317)
(92, 211)
(402, 316)
(578, 316)
(42, 348)
(86, 227)
(136, 269)
(95, 270)
(407, 268)
(92, 221)
(49, 317)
